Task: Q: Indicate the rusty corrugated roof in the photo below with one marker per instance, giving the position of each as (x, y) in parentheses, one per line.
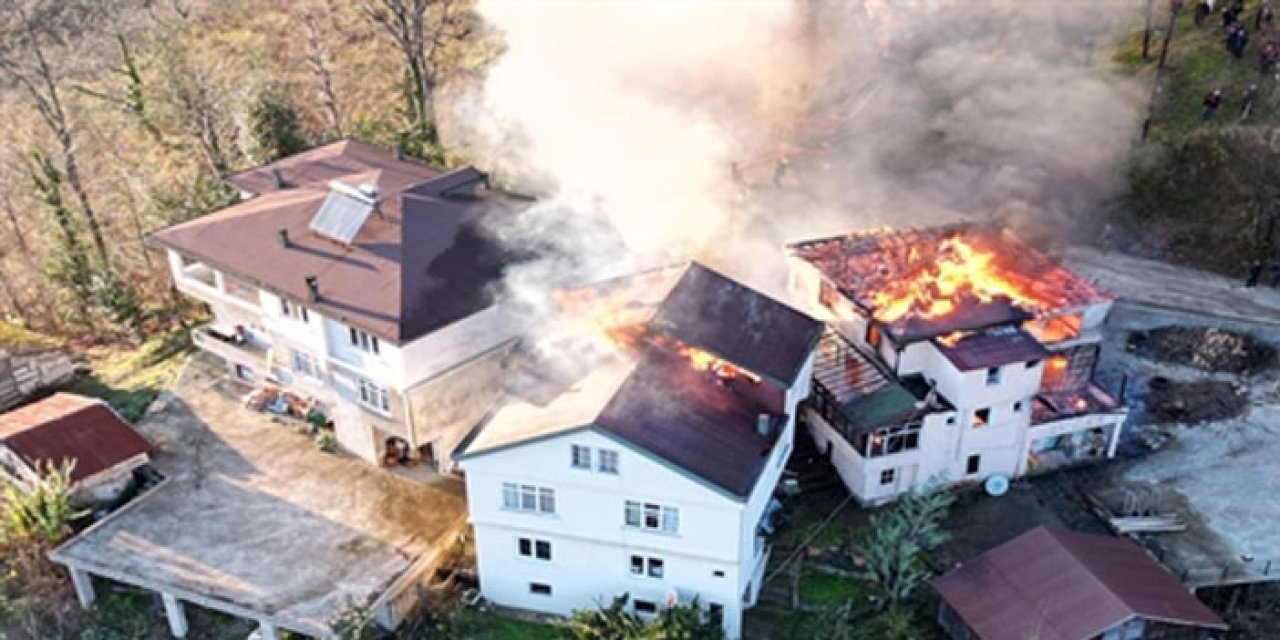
(69, 426)
(1054, 584)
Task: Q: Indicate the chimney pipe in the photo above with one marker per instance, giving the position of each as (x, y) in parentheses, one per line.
(764, 424)
(399, 152)
(278, 178)
(284, 238)
(314, 285)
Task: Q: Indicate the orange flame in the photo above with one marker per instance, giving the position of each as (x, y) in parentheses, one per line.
(955, 271)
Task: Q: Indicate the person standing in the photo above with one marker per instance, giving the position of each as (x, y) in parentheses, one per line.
(1211, 104)
(1255, 272)
(1246, 102)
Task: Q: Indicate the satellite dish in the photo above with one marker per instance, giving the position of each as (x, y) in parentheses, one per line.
(996, 485)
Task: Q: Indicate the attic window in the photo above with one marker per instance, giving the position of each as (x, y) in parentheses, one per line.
(344, 211)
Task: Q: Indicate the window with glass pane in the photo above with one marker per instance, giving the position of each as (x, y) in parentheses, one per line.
(526, 547)
(655, 568)
(633, 514)
(510, 495)
(546, 500)
(670, 519)
(608, 461)
(637, 565)
(652, 515)
(542, 550)
(581, 457)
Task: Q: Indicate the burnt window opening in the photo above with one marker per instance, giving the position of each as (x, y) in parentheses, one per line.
(873, 335)
(982, 417)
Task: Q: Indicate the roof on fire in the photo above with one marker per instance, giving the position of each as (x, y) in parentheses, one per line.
(66, 426)
(992, 348)
(1062, 585)
(734, 322)
(660, 405)
(423, 261)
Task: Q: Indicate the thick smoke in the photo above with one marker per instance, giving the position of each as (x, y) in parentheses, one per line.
(721, 130)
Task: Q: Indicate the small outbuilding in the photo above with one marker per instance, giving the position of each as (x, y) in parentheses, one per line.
(1052, 584)
(66, 426)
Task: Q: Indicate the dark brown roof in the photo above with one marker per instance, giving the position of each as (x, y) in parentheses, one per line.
(329, 162)
(737, 323)
(422, 262)
(68, 426)
(992, 348)
(686, 417)
(1061, 585)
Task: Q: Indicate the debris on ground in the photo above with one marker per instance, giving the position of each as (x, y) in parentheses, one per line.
(1205, 348)
(1195, 401)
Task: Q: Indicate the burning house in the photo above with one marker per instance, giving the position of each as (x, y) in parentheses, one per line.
(645, 466)
(954, 352)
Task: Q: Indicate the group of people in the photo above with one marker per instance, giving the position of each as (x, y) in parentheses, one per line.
(1213, 100)
(1265, 15)
(1255, 274)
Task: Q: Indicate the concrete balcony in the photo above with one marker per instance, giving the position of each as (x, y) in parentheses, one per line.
(245, 351)
(200, 281)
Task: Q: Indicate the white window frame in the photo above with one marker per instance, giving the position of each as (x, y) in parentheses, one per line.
(305, 364)
(372, 396)
(610, 455)
(535, 549)
(294, 311)
(528, 498)
(363, 340)
(639, 515)
(647, 567)
(580, 457)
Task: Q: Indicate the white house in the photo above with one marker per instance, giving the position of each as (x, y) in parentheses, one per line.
(956, 353)
(86, 431)
(651, 472)
(362, 281)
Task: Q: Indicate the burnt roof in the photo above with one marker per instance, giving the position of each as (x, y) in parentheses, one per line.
(421, 262)
(992, 348)
(734, 322)
(691, 420)
(970, 315)
(1061, 585)
(68, 426)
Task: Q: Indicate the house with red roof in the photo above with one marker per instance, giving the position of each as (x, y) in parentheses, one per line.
(104, 448)
(1053, 584)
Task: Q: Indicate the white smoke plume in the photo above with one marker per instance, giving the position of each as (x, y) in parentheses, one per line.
(721, 129)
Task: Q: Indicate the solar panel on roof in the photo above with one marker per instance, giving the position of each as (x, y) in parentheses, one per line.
(342, 214)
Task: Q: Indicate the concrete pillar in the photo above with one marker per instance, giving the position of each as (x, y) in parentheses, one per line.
(268, 631)
(177, 616)
(83, 583)
(1115, 439)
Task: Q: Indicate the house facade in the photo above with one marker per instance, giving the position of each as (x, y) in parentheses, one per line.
(647, 474)
(993, 387)
(361, 283)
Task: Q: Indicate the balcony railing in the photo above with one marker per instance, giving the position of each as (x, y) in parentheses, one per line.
(236, 347)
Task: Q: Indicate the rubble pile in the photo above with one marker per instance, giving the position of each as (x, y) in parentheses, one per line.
(1196, 401)
(1209, 349)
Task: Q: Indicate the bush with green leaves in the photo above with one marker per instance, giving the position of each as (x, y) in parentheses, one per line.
(326, 442)
(37, 510)
(892, 546)
(614, 622)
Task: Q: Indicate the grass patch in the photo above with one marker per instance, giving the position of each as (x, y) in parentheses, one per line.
(129, 379)
(824, 589)
(15, 337)
(475, 625)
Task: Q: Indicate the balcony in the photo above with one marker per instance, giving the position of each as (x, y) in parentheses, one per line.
(199, 280)
(240, 347)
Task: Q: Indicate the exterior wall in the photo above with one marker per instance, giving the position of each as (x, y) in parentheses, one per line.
(934, 457)
(104, 486)
(438, 386)
(806, 284)
(592, 546)
(446, 407)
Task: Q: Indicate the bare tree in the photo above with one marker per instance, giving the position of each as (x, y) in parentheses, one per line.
(421, 30)
(28, 28)
(318, 59)
(192, 92)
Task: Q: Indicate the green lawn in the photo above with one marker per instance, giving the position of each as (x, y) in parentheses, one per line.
(824, 589)
(1198, 63)
(488, 626)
